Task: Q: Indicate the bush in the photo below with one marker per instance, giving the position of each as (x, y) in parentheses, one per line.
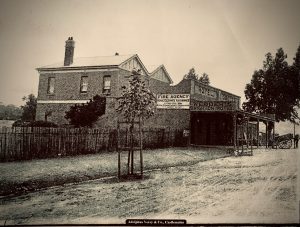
(48, 124)
(20, 123)
(86, 114)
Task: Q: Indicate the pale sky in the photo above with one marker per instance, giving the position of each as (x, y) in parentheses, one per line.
(226, 39)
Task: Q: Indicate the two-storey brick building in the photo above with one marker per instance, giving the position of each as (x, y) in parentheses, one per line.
(76, 80)
(208, 114)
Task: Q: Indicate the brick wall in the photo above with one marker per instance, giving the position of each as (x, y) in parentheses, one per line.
(175, 119)
(58, 113)
(157, 86)
(67, 85)
(183, 87)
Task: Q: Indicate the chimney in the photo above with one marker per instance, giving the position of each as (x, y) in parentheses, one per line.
(69, 51)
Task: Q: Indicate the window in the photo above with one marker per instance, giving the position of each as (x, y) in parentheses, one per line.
(84, 84)
(106, 84)
(51, 81)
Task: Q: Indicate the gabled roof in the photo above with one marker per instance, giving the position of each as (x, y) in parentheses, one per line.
(164, 69)
(135, 56)
(152, 68)
(105, 62)
(114, 60)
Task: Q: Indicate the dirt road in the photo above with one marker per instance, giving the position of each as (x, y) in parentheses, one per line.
(250, 189)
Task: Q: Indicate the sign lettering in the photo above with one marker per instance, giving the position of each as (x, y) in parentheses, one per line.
(173, 101)
(212, 105)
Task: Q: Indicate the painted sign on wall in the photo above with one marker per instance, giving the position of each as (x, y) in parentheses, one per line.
(205, 91)
(212, 105)
(173, 101)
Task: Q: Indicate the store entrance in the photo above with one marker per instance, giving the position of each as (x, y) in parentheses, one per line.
(211, 128)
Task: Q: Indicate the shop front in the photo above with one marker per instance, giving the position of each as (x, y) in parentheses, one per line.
(221, 123)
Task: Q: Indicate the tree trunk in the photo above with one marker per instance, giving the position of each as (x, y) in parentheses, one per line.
(131, 146)
(141, 148)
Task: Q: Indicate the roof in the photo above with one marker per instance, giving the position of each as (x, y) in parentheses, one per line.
(207, 85)
(153, 69)
(114, 60)
(263, 117)
(105, 61)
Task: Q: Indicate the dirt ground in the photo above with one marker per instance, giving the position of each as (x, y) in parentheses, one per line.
(21, 177)
(250, 189)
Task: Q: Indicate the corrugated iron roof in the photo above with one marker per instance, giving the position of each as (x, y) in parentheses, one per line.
(92, 61)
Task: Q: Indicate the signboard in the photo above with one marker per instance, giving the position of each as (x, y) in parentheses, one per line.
(186, 133)
(173, 101)
(212, 105)
(205, 91)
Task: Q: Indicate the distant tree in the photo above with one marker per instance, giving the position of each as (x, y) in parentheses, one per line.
(86, 114)
(137, 102)
(297, 58)
(274, 89)
(296, 69)
(29, 109)
(204, 79)
(191, 74)
(9, 112)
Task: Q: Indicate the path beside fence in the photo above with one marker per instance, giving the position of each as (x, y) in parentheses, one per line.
(24, 143)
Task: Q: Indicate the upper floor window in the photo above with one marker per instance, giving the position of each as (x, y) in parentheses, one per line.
(106, 84)
(84, 84)
(51, 82)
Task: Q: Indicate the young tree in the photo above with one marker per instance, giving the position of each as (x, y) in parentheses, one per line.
(274, 89)
(204, 79)
(86, 114)
(29, 109)
(136, 102)
(191, 74)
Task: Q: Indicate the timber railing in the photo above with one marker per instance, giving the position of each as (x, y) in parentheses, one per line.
(244, 147)
(24, 143)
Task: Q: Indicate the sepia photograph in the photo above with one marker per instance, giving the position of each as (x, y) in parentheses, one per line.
(161, 112)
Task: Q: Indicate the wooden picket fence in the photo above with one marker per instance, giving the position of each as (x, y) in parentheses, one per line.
(24, 143)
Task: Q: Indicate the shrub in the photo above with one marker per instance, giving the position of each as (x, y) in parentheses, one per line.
(20, 123)
(43, 124)
(86, 114)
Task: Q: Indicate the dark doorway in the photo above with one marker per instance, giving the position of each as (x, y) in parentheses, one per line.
(211, 128)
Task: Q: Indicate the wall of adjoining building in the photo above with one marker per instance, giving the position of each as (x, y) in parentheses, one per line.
(157, 86)
(175, 119)
(183, 87)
